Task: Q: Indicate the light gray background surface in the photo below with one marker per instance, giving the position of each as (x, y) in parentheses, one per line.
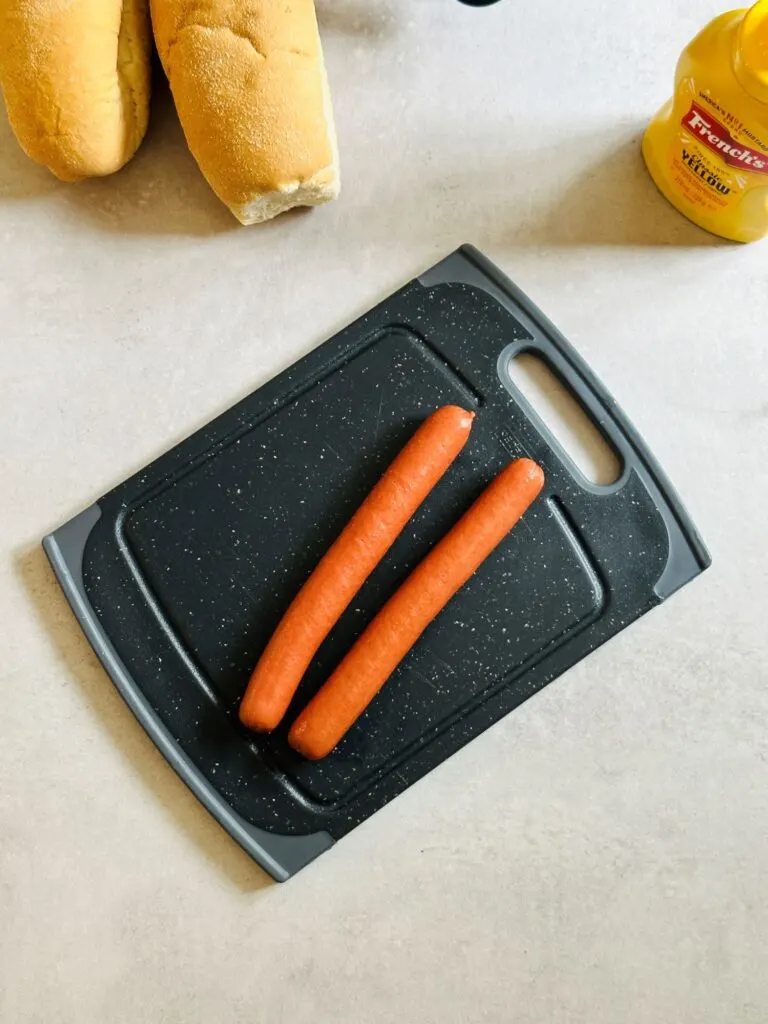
(601, 856)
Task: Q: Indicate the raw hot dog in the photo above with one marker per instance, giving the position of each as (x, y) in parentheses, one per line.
(348, 563)
(402, 620)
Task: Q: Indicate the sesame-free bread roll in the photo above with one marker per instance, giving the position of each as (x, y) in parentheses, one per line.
(76, 79)
(249, 84)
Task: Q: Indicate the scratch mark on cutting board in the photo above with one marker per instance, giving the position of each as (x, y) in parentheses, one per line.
(440, 661)
(378, 417)
(249, 596)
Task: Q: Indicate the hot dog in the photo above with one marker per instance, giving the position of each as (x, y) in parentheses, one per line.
(348, 563)
(402, 620)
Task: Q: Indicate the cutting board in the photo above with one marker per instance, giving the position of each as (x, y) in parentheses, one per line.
(179, 575)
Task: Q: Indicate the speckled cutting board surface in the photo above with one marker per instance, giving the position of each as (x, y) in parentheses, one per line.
(180, 574)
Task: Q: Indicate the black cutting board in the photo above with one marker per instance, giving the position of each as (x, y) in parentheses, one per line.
(179, 575)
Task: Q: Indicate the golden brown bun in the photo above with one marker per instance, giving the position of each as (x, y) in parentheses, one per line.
(249, 84)
(76, 78)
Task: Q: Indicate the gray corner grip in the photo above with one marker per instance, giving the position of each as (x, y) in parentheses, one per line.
(281, 856)
(688, 555)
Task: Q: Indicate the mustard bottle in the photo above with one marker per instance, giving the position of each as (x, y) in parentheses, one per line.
(707, 148)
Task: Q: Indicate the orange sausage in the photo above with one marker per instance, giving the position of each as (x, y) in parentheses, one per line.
(349, 562)
(402, 620)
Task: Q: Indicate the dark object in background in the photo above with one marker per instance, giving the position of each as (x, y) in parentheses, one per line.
(179, 575)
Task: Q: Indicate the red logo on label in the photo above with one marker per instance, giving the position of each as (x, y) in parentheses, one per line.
(716, 136)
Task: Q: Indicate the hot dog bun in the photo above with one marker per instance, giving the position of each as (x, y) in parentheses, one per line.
(76, 81)
(250, 88)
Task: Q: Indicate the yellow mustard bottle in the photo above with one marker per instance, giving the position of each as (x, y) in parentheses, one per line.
(707, 148)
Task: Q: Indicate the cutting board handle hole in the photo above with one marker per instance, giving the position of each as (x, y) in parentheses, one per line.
(565, 419)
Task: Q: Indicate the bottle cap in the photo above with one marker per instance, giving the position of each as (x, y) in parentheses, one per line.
(751, 62)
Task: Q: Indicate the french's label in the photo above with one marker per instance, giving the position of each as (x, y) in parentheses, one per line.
(715, 136)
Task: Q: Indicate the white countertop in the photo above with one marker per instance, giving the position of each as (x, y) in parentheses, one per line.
(601, 855)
